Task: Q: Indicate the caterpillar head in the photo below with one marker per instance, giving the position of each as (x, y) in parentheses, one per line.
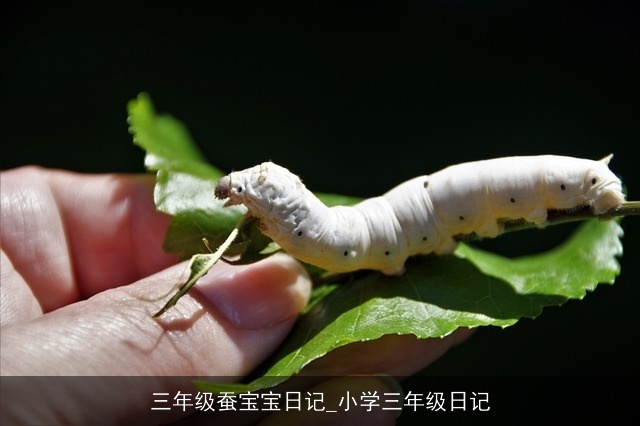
(576, 182)
(223, 188)
(603, 188)
(245, 186)
(270, 193)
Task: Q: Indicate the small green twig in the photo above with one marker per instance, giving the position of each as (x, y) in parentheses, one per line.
(556, 217)
(198, 266)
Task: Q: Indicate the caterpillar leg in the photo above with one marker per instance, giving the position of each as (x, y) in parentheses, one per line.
(537, 217)
(489, 229)
(448, 246)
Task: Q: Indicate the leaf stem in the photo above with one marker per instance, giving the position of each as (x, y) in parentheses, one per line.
(556, 217)
(198, 266)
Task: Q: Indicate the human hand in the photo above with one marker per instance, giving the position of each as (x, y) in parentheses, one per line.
(82, 274)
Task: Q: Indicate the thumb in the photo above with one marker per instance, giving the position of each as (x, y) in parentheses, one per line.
(225, 326)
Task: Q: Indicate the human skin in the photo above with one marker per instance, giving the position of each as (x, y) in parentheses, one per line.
(82, 274)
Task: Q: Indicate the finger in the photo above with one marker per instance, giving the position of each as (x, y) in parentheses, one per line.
(33, 238)
(236, 317)
(72, 235)
(114, 230)
(225, 325)
(17, 302)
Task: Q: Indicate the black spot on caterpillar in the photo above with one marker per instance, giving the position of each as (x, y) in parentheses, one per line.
(421, 215)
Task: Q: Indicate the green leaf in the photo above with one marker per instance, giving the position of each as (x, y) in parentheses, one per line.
(437, 295)
(166, 140)
(433, 298)
(338, 200)
(185, 181)
(570, 270)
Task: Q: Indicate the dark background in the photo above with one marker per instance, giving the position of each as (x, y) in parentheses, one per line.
(355, 99)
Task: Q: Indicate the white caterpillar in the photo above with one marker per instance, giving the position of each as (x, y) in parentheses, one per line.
(421, 215)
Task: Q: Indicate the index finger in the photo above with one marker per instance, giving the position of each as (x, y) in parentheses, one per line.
(72, 235)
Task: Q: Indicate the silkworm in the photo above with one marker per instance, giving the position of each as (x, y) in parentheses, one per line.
(422, 215)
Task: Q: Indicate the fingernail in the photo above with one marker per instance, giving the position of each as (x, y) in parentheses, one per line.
(259, 295)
